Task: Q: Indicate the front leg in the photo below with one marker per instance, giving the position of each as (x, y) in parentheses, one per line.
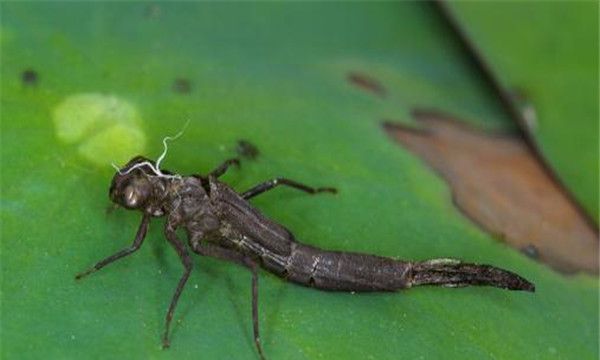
(187, 264)
(137, 243)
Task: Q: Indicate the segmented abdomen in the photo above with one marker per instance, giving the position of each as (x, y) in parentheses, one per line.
(246, 229)
(345, 271)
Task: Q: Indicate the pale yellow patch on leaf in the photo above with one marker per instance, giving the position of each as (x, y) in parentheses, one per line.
(106, 127)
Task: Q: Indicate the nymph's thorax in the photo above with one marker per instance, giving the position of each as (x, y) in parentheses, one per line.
(189, 206)
(211, 211)
(186, 199)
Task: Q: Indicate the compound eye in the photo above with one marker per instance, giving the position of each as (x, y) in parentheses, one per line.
(130, 197)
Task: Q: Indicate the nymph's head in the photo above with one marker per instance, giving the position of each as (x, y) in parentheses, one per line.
(134, 185)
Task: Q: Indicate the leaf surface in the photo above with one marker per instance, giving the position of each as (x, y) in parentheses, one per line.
(276, 75)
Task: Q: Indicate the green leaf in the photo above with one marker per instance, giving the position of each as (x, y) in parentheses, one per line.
(275, 74)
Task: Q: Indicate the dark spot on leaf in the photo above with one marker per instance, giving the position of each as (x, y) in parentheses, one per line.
(246, 149)
(152, 11)
(366, 83)
(29, 77)
(531, 251)
(182, 86)
(498, 183)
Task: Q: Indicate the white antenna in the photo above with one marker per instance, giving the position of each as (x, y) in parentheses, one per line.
(156, 168)
(170, 138)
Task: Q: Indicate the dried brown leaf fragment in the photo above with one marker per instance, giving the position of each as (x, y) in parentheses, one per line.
(498, 183)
